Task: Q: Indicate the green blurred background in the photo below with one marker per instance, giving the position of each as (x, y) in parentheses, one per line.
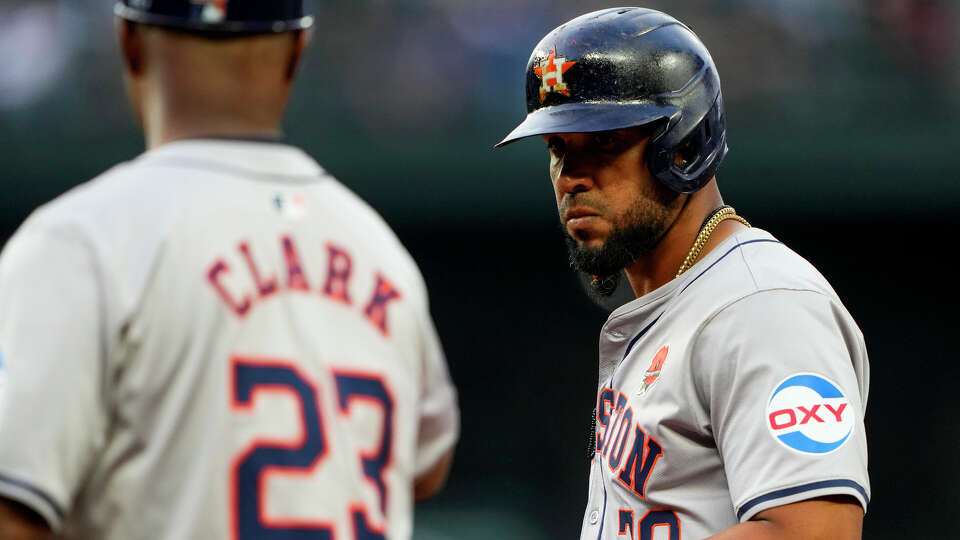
(841, 118)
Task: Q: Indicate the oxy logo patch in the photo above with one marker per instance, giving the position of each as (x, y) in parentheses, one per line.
(810, 414)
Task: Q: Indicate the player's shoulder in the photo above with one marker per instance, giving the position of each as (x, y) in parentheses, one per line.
(369, 227)
(134, 196)
(755, 295)
(75, 212)
(752, 276)
(112, 222)
(749, 262)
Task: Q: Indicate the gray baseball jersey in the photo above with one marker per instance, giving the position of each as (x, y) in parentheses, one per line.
(217, 340)
(737, 387)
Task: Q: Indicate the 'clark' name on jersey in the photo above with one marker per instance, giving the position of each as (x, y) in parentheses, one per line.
(335, 285)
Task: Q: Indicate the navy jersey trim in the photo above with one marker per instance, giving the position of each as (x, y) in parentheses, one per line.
(637, 337)
(643, 332)
(633, 342)
(800, 489)
(57, 509)
(603, 513)
(729, 251)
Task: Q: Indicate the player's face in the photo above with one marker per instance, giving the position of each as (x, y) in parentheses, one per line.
(612, 209)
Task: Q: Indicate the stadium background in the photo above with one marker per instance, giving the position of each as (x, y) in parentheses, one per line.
(842, 120)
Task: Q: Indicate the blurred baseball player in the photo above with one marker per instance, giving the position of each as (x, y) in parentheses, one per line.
(732, 389)
(216, 340)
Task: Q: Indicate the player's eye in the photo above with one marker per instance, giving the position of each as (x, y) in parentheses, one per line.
(607, 141)
(556, 146)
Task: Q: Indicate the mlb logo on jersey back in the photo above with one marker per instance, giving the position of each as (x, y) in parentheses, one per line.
(292, 206)
(809, 414)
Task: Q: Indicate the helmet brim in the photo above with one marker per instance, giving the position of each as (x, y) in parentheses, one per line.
(586, 117)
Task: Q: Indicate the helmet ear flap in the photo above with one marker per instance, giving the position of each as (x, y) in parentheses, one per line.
(689, 164)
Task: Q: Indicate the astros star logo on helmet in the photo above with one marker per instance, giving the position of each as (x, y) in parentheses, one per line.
(551, 70)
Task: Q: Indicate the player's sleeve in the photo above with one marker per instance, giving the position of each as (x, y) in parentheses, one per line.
(783, 377)
(52, 419)
(439, 415)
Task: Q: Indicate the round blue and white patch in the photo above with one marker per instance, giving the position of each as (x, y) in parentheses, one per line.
(808, 413)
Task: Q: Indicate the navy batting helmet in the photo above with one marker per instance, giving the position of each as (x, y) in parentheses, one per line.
(624, 67)
(218, 17)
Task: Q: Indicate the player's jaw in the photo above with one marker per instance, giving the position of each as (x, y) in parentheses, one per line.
(601, 245)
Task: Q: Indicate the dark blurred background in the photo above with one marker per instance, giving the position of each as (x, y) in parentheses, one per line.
(842, 120)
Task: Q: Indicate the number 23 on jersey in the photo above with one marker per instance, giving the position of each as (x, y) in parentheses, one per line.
(251, 467)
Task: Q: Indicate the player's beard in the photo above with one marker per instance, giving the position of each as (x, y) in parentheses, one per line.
(636, 234)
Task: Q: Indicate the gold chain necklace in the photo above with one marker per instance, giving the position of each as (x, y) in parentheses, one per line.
(703, 236)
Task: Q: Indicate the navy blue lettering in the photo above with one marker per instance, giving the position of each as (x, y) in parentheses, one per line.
(249, 470)
(640, 464)
(603, 414)
(659, 518)
(624, 433)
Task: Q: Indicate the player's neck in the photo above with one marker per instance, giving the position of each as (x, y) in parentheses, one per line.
(170, 116)
(660, 266)
(160, 133)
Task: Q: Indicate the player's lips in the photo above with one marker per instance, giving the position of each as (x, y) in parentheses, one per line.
(578, 213)
(579, 217)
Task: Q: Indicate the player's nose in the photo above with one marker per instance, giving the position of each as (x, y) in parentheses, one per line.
(572, 175)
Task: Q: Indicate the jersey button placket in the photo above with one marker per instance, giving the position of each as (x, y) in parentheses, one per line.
(594, 516)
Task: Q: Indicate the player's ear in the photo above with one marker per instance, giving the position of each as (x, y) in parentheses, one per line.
(130, 36)
(301, 38)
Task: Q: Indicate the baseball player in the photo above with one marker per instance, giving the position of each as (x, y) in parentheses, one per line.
(732, 389)
(216, 340)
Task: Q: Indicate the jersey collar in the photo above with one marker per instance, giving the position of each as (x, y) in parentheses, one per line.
(667, 290)
(261, 157)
